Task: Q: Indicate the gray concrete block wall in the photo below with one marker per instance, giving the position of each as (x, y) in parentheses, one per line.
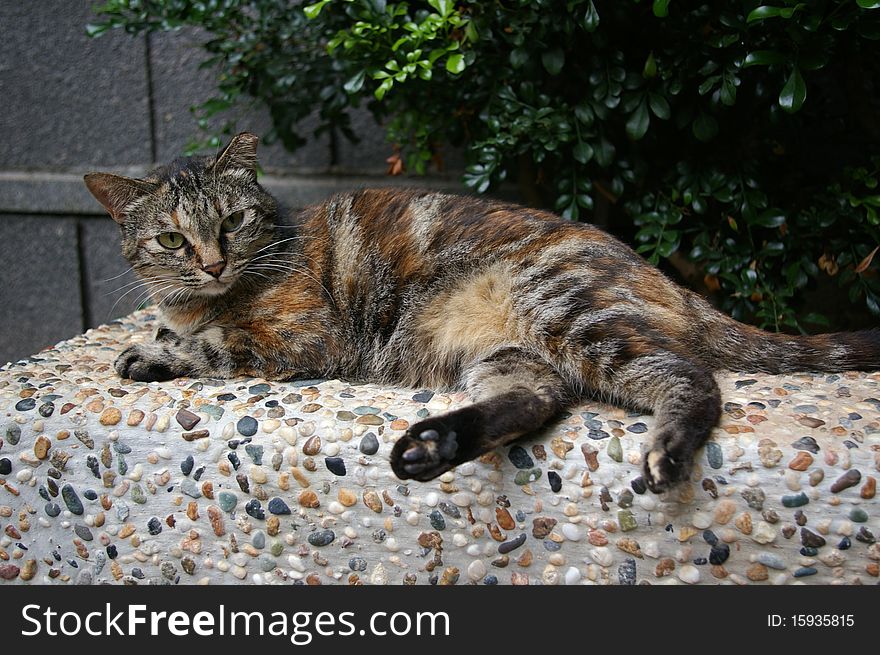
(179, 84)
(68, 100)
(40, 300)
(71, 104)
(109, 286)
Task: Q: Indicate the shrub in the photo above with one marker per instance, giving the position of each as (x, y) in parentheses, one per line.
(734, 143)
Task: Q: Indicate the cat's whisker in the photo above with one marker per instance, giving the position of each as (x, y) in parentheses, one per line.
(139, 282)
(116, 277)
(140, 299)
(144, 285)
(154, 292)
(265, 277)
(284, 264)
(181, 294)
(291, 268)
(278, 243)
(298, 256)
(118, 289)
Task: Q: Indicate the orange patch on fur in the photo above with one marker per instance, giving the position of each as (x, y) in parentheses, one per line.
(471, 320)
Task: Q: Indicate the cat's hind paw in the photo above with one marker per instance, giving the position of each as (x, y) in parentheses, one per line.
(144, 363)
(426, 450)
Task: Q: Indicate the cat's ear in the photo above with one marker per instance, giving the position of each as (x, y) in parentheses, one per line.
(240, 154)
(116, 192)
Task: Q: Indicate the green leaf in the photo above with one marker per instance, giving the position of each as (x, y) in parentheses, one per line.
(605, 152)
(584, 113)
(455, 64)
(443, 7)
(649, 70)
(355, 83)
(519, 57)
(788, 12)
(659, 105)
(661, 8)
(868, 4)
(564, 199)
(213, 106)
(582, 152)
(638, 121)
(591, 18)
(815, 317)
(728, 92)
(571, 212)
(553, 60)
(763, 58)
(761, 13)
(667, 247)
(793, 94)
(585, 200)
(312, 11)
(705, 127)
(383, 88)
(96, 30)
(708, 84)
(769, 219)
(649, 232)
(766, 11)
(471, 32)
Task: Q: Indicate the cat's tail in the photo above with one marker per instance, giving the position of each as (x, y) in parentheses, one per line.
(738, 347)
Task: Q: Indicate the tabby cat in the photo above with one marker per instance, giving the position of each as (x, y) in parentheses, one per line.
(526, 312)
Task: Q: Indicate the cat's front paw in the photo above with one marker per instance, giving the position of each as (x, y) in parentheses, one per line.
(663, 470)
(145, 363)
(426, 450)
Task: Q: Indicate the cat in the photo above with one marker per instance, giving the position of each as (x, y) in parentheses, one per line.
(525, 311)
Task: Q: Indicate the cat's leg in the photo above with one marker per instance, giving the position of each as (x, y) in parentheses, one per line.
(154, 361)
(685, 399)
(220, 352)
(514, 393)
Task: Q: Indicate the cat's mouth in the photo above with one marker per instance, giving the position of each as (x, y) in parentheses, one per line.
(216, 287)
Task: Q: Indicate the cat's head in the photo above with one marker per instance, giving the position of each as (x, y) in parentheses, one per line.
(192, 227)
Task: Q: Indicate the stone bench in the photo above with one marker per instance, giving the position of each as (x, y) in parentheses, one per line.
(247, 481)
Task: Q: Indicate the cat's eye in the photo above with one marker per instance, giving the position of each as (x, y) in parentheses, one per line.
(232, 222)
(171, 240)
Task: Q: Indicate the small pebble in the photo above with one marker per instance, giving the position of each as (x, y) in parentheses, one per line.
(714, 455)
(520, 458)
(849, 479)
(247, 426)
(512, 544)
(321, 537)
(369, 444)
(255, 509)
(278, 507)
(335, 465)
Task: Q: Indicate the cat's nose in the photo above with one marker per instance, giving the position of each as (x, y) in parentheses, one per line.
(215, 269)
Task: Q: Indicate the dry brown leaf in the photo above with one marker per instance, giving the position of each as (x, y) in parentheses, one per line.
(866, 262)
(395, 164)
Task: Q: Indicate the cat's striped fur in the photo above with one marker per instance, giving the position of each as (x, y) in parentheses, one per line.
(527, 312)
